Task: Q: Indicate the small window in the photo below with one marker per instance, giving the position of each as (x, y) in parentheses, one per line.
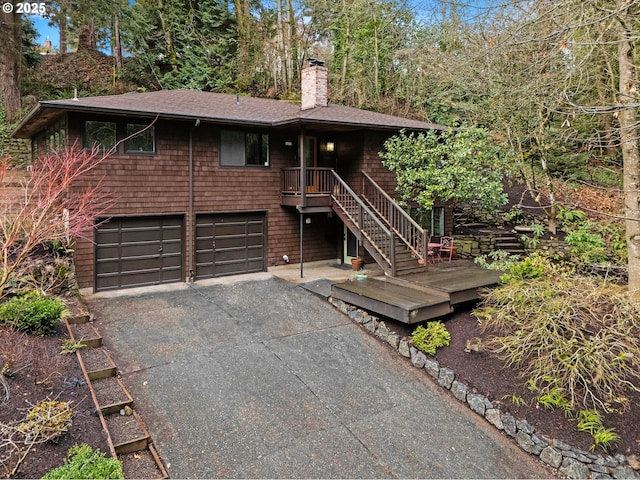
(102, 134)
(239, 149)
(145, 141)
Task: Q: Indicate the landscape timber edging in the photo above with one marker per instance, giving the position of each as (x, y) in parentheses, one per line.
(567, 460)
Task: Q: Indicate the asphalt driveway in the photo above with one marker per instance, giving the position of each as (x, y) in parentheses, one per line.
(262, 379)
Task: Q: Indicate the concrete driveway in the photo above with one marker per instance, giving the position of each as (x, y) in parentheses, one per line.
(262, 379)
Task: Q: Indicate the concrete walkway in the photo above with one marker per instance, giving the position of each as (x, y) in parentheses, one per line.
(259, 378)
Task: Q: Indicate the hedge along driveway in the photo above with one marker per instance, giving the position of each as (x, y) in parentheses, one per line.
(263, 379)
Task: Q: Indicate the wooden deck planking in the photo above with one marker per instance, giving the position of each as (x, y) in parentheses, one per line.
(399, 302)
(461, 280)
(421, 296)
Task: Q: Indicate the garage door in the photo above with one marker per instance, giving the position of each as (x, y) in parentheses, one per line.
(229, 244)
(138, 251)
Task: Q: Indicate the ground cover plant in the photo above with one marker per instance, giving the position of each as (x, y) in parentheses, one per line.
(84, 462)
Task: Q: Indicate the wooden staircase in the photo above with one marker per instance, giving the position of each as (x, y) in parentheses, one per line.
(394, 240)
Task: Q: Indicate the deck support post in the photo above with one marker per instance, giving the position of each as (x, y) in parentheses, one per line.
(301, 232)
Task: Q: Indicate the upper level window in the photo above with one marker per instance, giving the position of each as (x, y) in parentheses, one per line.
(57, 136)
(101, 134)
(142, 142)
(239, 149)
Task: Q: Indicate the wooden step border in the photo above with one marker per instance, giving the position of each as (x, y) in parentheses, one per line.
(93, 341)
(110, 370)
(143, 444)
(115, 407)
(140, 442)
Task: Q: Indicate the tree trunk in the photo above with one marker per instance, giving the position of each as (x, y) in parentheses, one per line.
(243, 20)
(10, 62)
(629, 141)
(63, 37)
(167, 37)
(117, 45)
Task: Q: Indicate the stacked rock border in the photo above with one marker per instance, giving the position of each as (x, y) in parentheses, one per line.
(127, 436)
(567, 460)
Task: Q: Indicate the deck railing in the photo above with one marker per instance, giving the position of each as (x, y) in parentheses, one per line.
(399, 221)
(371, 228)
(318, 181)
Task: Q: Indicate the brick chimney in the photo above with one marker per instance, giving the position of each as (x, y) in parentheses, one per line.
(315, 79)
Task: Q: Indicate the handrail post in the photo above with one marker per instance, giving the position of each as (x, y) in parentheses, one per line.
(392, 250)
(425, 248)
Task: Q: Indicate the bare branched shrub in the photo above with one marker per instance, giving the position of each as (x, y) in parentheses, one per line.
(15, 351)
(567, 334)
(44, 422)
(48, 274)
(58, 200)
(47, 362)
(23, 354)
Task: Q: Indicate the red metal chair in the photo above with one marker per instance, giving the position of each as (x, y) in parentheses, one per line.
(446, 247)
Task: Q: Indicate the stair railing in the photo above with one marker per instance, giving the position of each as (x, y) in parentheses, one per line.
(368, 228)
(399, 221)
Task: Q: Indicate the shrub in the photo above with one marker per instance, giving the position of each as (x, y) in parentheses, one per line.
(570, 334)
(431, 337)
(32, 313)
(83, 462)
(500, 260)
(69, 346)
(53, 275)
(46, 421)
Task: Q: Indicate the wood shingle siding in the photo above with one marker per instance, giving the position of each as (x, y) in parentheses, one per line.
(183, 177)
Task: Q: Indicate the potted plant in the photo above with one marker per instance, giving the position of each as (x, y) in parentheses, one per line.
(357, 263)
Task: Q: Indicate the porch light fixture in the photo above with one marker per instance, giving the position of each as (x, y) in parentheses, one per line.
(330, 146)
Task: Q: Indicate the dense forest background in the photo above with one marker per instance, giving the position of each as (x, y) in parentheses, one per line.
(553, 82)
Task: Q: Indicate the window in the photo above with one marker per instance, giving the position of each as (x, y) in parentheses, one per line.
(55, 136)
(431, 220)
(102, 134)
(143, 141)
(239, 149)
(436, 221)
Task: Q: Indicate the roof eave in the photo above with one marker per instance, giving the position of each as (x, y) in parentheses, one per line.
(361, 125)
(21, 131)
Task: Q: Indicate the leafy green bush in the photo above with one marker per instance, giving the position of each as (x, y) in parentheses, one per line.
(533, 266)
(84, 462)
(500, 260)
(431, 337)
(32, 313)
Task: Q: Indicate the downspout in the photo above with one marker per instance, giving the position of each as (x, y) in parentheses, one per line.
(190, 213)
(303, 195)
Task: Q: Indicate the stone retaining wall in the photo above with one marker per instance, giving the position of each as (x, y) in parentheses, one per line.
(568, 461)
(474, 245)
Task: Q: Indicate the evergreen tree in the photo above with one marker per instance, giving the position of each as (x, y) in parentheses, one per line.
(182, 44)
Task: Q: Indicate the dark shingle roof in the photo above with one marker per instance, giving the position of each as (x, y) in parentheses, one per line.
(216, 108)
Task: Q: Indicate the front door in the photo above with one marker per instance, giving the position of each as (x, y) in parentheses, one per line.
(350, 245)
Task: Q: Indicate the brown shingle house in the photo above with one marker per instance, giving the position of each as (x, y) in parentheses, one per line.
(225, 184)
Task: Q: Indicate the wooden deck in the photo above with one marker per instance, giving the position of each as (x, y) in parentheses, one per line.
(421, 296)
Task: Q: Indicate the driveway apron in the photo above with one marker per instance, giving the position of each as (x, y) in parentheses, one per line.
(262, 379)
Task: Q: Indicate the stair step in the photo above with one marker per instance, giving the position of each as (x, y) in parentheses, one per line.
(409, 271)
